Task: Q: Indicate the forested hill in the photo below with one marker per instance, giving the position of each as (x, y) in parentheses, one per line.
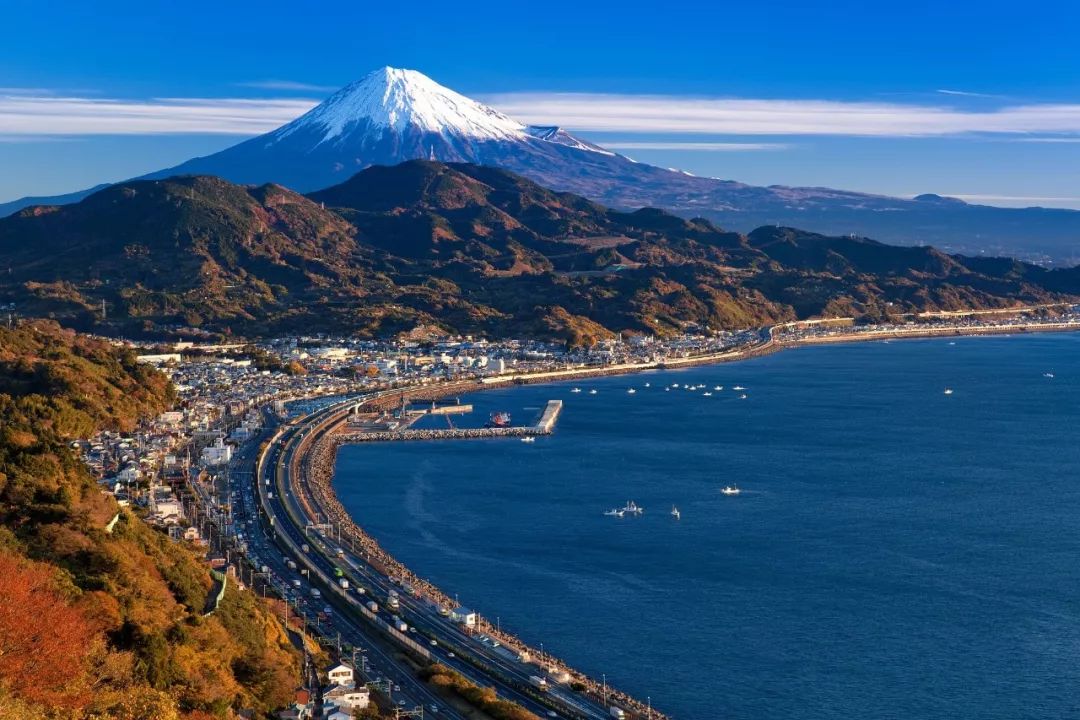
(107, 625)
(467, 248)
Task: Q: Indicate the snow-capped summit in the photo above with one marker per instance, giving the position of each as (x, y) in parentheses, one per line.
(392, 115)
(404, 100)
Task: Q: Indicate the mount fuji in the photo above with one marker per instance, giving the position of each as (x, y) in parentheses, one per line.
(393, 115)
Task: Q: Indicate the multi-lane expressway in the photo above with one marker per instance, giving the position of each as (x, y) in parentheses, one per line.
(287, 529)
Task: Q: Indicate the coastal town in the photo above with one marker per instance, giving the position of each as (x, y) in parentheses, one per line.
(201, 473)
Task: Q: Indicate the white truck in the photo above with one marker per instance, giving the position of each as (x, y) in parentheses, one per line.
(292, 564)
(372, 606)
(343, 583)
(400, 624)
(392, 601)
(617, 712)
(538, 682)
(315, 593)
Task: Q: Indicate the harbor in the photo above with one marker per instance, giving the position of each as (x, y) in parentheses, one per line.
(378, 431)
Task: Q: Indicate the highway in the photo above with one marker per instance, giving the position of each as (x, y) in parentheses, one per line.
(479, 659)
(272, 543)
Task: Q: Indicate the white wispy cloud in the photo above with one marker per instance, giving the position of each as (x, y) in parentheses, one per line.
(1014, 198)
(290, 85)
(694, 146)
(40, 115)
(966, 93)
(1067, 140)
(739, 116)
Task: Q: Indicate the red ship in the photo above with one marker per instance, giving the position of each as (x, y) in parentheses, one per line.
(499, 419)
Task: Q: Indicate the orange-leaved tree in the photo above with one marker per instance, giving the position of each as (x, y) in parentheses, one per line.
(44, 641)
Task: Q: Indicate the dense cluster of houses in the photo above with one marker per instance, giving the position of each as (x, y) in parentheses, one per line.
(339, 699)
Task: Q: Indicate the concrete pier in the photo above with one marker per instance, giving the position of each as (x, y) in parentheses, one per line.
(442, 410)
(545, 425)
(549, 417)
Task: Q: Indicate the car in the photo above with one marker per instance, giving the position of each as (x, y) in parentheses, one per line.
(400, 702)
(433, 642)
(397, 688)
(552, 713)
(451, 655)
(433, 708)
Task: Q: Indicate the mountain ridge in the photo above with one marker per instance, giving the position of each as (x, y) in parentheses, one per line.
(472, 249)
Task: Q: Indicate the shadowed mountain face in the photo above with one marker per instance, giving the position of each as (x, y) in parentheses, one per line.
(470, 248)
(391, 116)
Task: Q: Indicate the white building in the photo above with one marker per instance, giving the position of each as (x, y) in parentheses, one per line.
(347, 698)
(129, 474)
(217, 454)
(463, 616)
(341, 674)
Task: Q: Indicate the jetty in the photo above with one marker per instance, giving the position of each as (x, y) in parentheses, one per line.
(544, 425)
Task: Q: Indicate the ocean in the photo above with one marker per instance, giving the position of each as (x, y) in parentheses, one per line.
(895, 552)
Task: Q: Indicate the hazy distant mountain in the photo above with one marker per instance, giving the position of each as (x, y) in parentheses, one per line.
(469, 248)
(392, 115)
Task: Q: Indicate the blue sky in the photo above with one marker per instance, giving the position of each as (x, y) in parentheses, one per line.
(977, 99)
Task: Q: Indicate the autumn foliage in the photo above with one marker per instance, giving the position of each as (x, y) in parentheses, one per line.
(98, 625)
(44, 641)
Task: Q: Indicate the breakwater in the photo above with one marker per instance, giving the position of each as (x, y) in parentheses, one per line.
(448, 434)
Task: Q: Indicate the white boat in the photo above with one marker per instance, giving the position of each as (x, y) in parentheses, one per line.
(667, 389)
(948, 391)
(706, 394)
(632, 508)
(631, 391)
(648, 385)
(675, 512)
(718, 388)
(528, 439)
(743, 396)
(738, 387)
(731, 490)
(593, 391)
(1048, 375)
(614, 512)
(576, 390)
(674, 385)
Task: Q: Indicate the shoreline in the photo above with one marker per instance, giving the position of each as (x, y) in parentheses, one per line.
(320, 463)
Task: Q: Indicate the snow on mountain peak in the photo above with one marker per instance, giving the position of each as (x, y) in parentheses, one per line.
(395, 99)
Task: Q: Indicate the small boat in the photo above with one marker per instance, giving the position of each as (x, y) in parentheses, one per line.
(1048, 375)
(528, 439)
(948, 391)
(731, 490)
(743, 396)
(648, 385)
(952, 343)
(718, 388)
(632, 508)
(576, 390)
(674, 385)
(675, 512)
(593, 391)
(614, 512)
(706, 394)
(667, 389)
(631, 391)
(738, 387)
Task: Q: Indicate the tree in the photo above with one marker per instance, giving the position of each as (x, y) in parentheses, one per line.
(44, 641)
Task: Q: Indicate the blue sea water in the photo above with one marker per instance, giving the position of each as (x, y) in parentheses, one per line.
(896, 552)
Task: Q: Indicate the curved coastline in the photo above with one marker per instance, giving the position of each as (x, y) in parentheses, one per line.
(320, 462)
